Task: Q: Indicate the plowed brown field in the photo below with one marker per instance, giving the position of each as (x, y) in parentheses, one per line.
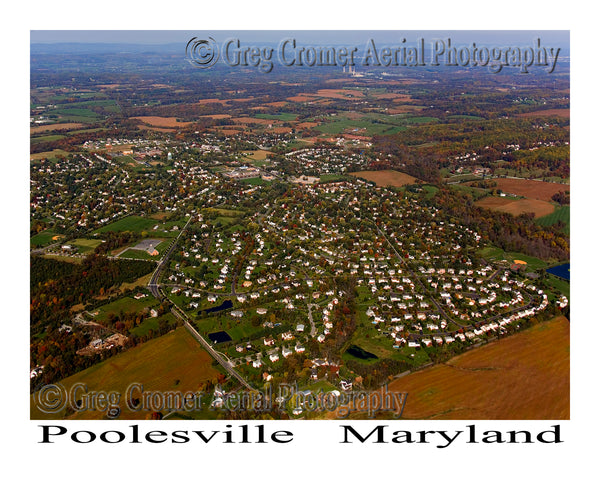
(524, 376)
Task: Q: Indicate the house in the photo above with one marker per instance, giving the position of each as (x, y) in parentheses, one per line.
(274, 357)
(346, 385)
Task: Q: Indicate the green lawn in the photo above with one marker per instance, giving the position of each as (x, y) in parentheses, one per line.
(242, 331)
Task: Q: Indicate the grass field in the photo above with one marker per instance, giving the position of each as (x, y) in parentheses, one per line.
(48, 155)
(259, 155)
(496, 254)
(562, 214)
(47, 138)
(137, 224)
(76, 115)
(254, 181)
(525, 376)
(173, 362)
(85, 245)
(140, 282)
(130, 224)
(125, 305)
(44, 238)
(359, 127)
(331, 178)
(285, 117)
(151, 323)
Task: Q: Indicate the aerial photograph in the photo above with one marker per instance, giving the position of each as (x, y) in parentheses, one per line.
(299, 225)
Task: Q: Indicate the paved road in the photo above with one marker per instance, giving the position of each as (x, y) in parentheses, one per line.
(219, 357)
(154, 288)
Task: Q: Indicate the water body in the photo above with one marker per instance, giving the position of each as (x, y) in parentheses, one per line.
(562, 271)
(219, 337)
(358, 352)
(224, 306)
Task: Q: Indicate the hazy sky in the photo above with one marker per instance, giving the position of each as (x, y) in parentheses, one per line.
(559, 37)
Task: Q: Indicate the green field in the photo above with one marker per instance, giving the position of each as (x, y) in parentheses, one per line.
(137, 224)
(372, 124)
(562, 214)
(151, 323)
(47, 138)
(359, 127)
(332, 178)
(130, 224)
(43, 238)
(559, 284)
(85, 245)
(254, 181)
(81, 115)
(285, 117)
(173, 362)
(125, 305)
(496, 254)
(49, 155)
(466, 117)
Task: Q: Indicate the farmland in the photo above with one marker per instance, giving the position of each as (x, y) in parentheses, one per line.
(165, 122)
(533, 189)
(331, 234)
(525, 376)
(173, 362)
(386, 178)
(560, 214)
(539, 208)
(551, 112)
